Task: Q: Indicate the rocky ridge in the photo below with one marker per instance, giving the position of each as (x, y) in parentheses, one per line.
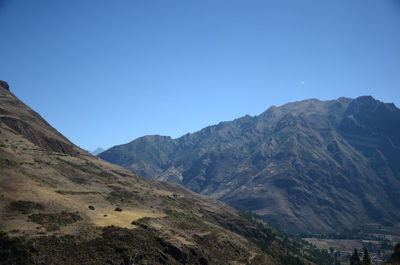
(308, 167)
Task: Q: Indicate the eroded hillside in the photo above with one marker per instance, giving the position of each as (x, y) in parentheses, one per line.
(61, 205)
(308, 167)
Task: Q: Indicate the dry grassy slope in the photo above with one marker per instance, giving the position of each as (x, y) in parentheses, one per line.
(47, 185)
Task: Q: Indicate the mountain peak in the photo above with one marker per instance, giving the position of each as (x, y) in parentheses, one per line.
(97, 151)
(4, 85)
(366, 100)
(366, 97)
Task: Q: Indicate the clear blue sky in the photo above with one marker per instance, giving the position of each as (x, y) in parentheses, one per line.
(106, 72)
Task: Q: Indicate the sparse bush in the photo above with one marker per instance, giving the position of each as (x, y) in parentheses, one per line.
(53, 221)
(13, 250)
(24, 207)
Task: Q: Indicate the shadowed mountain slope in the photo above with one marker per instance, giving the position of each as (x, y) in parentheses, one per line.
(308, 166)
(61, 205)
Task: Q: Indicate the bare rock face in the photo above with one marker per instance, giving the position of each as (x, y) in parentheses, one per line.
(4, 85)
(317, 166)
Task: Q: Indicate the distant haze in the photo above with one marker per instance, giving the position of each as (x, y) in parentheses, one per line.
(97, 151)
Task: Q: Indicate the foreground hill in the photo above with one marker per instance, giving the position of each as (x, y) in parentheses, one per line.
(310, 166)
(61, 205)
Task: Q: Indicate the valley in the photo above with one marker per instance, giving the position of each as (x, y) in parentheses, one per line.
(61, 205)
(57, 198)
(321, 170)
(200, 132)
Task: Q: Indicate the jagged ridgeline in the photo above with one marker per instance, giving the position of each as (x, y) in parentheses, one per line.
(308, 167)
(61, 205)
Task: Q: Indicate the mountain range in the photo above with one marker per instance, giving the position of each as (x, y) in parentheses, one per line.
(61, 205)
(307, 167)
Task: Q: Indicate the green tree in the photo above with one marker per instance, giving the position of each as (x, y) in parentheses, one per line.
(13, 251)
(366, 258)
(395, 258)
(355, 258)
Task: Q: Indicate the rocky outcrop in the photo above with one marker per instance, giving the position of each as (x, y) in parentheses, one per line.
(4, 85)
